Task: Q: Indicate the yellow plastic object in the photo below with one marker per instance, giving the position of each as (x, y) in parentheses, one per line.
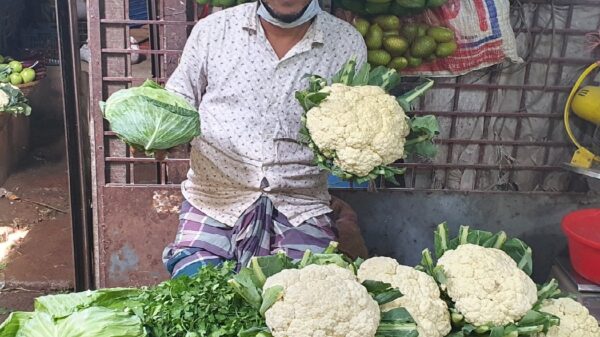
(586, 104)
(583, 157)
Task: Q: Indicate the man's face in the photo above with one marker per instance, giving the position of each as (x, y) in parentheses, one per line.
(286, 10)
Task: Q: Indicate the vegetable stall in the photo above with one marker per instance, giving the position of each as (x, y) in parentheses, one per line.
(461, 122)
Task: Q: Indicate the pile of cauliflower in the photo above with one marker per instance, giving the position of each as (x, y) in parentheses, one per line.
(357, 130)
(478, 287)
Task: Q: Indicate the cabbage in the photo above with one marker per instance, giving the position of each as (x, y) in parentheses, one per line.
(150, 118)
(100, 313)
(90, 322)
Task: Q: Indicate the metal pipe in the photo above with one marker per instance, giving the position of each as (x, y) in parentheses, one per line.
(77, 153)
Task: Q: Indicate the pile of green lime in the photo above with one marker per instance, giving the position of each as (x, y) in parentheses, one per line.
(13, 72)
(398, 46)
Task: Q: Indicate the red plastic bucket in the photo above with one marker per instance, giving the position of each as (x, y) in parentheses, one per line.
(583, 233)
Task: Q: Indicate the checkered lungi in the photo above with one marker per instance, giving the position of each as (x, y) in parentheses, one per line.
(260, 231)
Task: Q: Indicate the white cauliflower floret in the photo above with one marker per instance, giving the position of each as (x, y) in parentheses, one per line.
(321, 301)
(575, 319)
(486, 285)
(4, 99)
(421, 294)
(363, 125)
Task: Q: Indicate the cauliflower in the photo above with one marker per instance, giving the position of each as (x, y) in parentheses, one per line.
(356, 129)
(12, 100)
(486, 285)
(4, 99)
(575, 319)
(363, 125)
(321, 301)
(421, 294)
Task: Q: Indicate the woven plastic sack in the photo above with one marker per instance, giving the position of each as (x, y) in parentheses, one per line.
(483, 32)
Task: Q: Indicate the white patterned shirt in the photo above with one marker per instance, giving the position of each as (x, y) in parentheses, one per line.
(249, 116)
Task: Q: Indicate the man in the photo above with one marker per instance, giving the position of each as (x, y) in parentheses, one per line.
(252, 188)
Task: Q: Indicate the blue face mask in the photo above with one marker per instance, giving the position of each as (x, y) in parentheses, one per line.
(311, 11)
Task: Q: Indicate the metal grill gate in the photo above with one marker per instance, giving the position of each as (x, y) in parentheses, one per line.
(136, 199)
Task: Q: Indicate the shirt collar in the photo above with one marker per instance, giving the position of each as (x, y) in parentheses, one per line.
(313, 35)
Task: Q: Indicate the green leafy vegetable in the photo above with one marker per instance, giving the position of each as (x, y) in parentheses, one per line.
(12, 100)
(204, 305)
(151, 118)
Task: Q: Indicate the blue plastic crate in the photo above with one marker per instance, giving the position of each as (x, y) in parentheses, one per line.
(335, 182)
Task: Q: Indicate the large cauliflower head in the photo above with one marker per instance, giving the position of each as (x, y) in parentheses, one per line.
(363, 125)
(575, 319)
(486, 285)
(321, 301)
(421, 294)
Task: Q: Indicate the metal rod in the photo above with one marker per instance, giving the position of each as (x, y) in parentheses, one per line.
(555, 96)
(146, 22)
(79, 178)
(477, 114)
(154, 37)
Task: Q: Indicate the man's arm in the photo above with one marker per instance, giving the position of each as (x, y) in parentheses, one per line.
(189, 78)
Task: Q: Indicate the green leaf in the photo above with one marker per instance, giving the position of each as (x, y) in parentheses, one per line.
(495, 241)
(362, 76)
(382, 292)
(406, 100)
(255, 332)
(425, 124)
(397, 315)
(440, 239)
(314, 99)
(270, 296)
(244, 286)
(521, 253)
(346, 74)
(384, 77)
(266, 266)
(326, 259)
(393, 329)
(427, 261)
(301, 98)
(316, 83)
(463, 235)
(497, 331)
(439, 276)
(375, 286)
(547, 291)
(479, 237)
(14, 322)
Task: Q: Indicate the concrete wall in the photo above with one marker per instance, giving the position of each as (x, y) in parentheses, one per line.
(401, 224)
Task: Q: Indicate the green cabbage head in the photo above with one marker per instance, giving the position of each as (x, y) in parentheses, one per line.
(150, 118)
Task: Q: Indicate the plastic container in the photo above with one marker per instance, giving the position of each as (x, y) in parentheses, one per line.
(583, 233)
